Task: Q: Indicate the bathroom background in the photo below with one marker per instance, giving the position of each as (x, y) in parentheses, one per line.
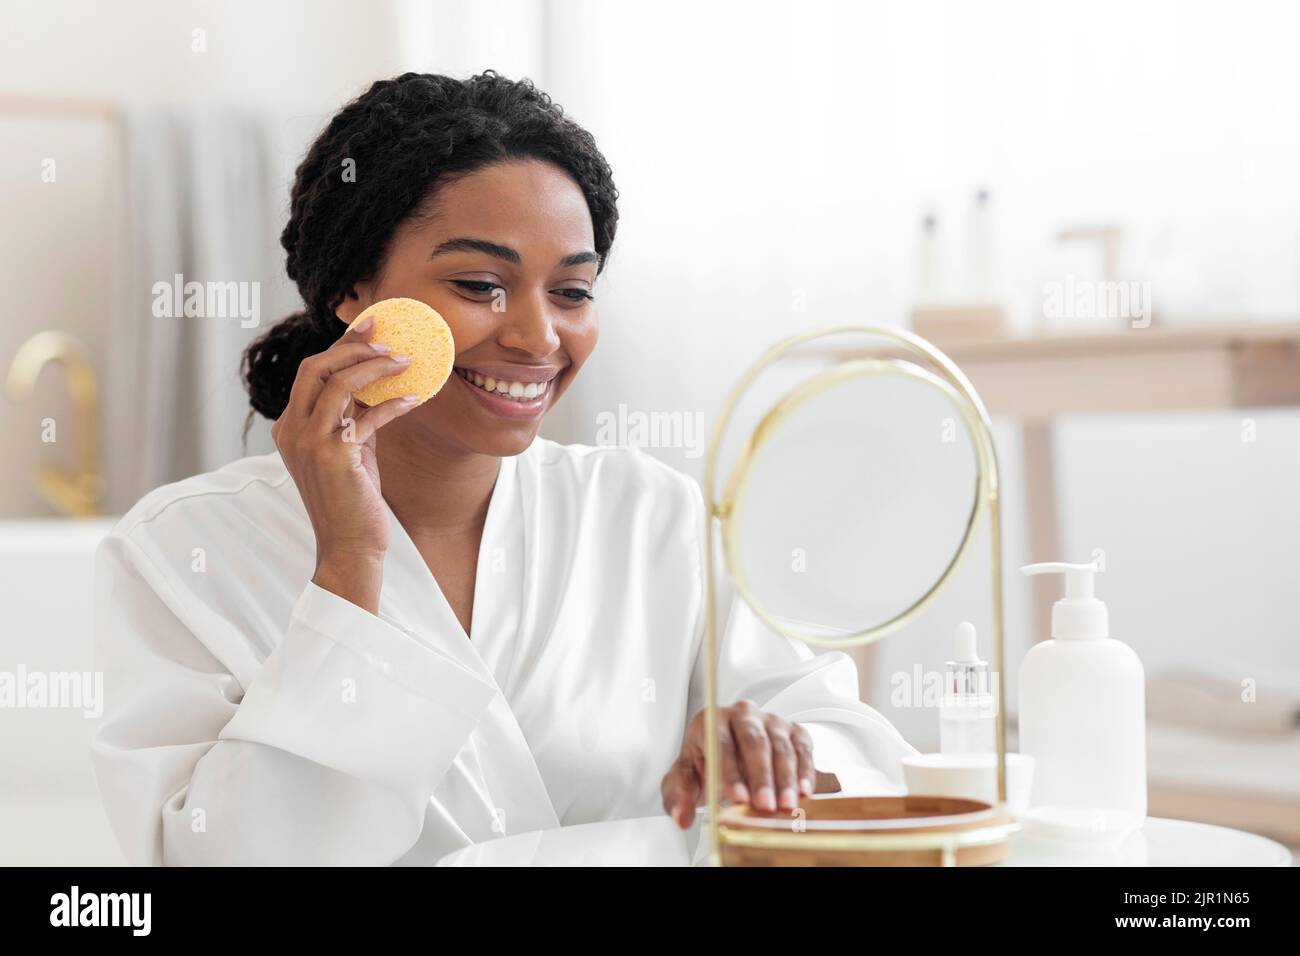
(782, 165)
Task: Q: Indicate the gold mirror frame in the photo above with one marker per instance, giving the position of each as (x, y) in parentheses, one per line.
(779, 413)
(950, 380)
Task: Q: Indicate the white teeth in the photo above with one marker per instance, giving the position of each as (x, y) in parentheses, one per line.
(519, 391)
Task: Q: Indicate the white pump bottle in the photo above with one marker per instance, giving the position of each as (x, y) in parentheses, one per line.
(1083, 713)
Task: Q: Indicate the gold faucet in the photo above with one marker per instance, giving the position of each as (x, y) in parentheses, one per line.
(78, 493)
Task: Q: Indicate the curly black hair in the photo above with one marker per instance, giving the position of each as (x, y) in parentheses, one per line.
(406, 136)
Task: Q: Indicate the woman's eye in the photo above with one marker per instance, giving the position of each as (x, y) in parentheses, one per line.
(484, 287)
(576, 295)
(477, 286)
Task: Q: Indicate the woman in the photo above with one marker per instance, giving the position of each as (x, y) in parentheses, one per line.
(306, 664)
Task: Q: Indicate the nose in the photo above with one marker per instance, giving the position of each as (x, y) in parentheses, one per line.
(529, 326)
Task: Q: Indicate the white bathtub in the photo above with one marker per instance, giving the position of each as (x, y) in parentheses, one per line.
(50, 813)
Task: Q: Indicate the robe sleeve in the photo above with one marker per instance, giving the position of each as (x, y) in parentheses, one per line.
(329, 755)
(785, 677)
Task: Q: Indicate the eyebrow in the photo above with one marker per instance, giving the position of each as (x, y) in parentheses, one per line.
(469, 244)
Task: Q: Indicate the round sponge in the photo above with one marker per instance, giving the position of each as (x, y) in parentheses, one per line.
(409, 327)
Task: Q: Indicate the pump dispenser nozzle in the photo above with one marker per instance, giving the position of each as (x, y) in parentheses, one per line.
(1079, 614)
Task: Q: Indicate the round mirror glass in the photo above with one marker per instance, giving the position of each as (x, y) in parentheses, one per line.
(854, 498)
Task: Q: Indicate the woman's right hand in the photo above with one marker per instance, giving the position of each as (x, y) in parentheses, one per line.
(327, 442)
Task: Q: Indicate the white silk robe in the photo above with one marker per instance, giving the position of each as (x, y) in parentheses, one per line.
(252, 717)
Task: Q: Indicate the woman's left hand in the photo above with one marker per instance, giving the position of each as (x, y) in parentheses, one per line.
(767, 762)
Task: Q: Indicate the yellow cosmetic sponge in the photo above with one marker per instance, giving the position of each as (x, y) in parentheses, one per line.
(409, 327)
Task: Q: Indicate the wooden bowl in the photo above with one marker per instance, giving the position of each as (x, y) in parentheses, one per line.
(851, 831)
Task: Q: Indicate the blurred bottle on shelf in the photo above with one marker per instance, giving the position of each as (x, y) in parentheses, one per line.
(964, 305)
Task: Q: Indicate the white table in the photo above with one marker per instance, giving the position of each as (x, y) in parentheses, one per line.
(655, 841)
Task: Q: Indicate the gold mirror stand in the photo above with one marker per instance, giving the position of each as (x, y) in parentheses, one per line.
(960, 390)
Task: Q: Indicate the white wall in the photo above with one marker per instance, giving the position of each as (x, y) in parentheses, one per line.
(298, 60)
(770, 151)
(774, 152)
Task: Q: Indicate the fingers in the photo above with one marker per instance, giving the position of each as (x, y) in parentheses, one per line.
(785, 763)
(767, 761)
(315, 370)
(680, 790)
(803, 749)
(755, 751)
(336, 396)
(732, 776)
(377, 416)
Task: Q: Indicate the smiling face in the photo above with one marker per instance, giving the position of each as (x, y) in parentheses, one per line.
(508, 259)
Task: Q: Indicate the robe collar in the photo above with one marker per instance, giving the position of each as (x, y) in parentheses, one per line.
(412, 600)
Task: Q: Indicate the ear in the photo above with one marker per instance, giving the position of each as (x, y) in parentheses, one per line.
(356, 301)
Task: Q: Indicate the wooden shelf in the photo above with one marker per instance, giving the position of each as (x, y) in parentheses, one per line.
(1199, 367)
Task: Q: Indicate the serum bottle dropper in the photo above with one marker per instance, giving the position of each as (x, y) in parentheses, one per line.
(968, 712)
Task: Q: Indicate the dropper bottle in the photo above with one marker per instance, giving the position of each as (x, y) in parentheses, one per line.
(968, 712)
